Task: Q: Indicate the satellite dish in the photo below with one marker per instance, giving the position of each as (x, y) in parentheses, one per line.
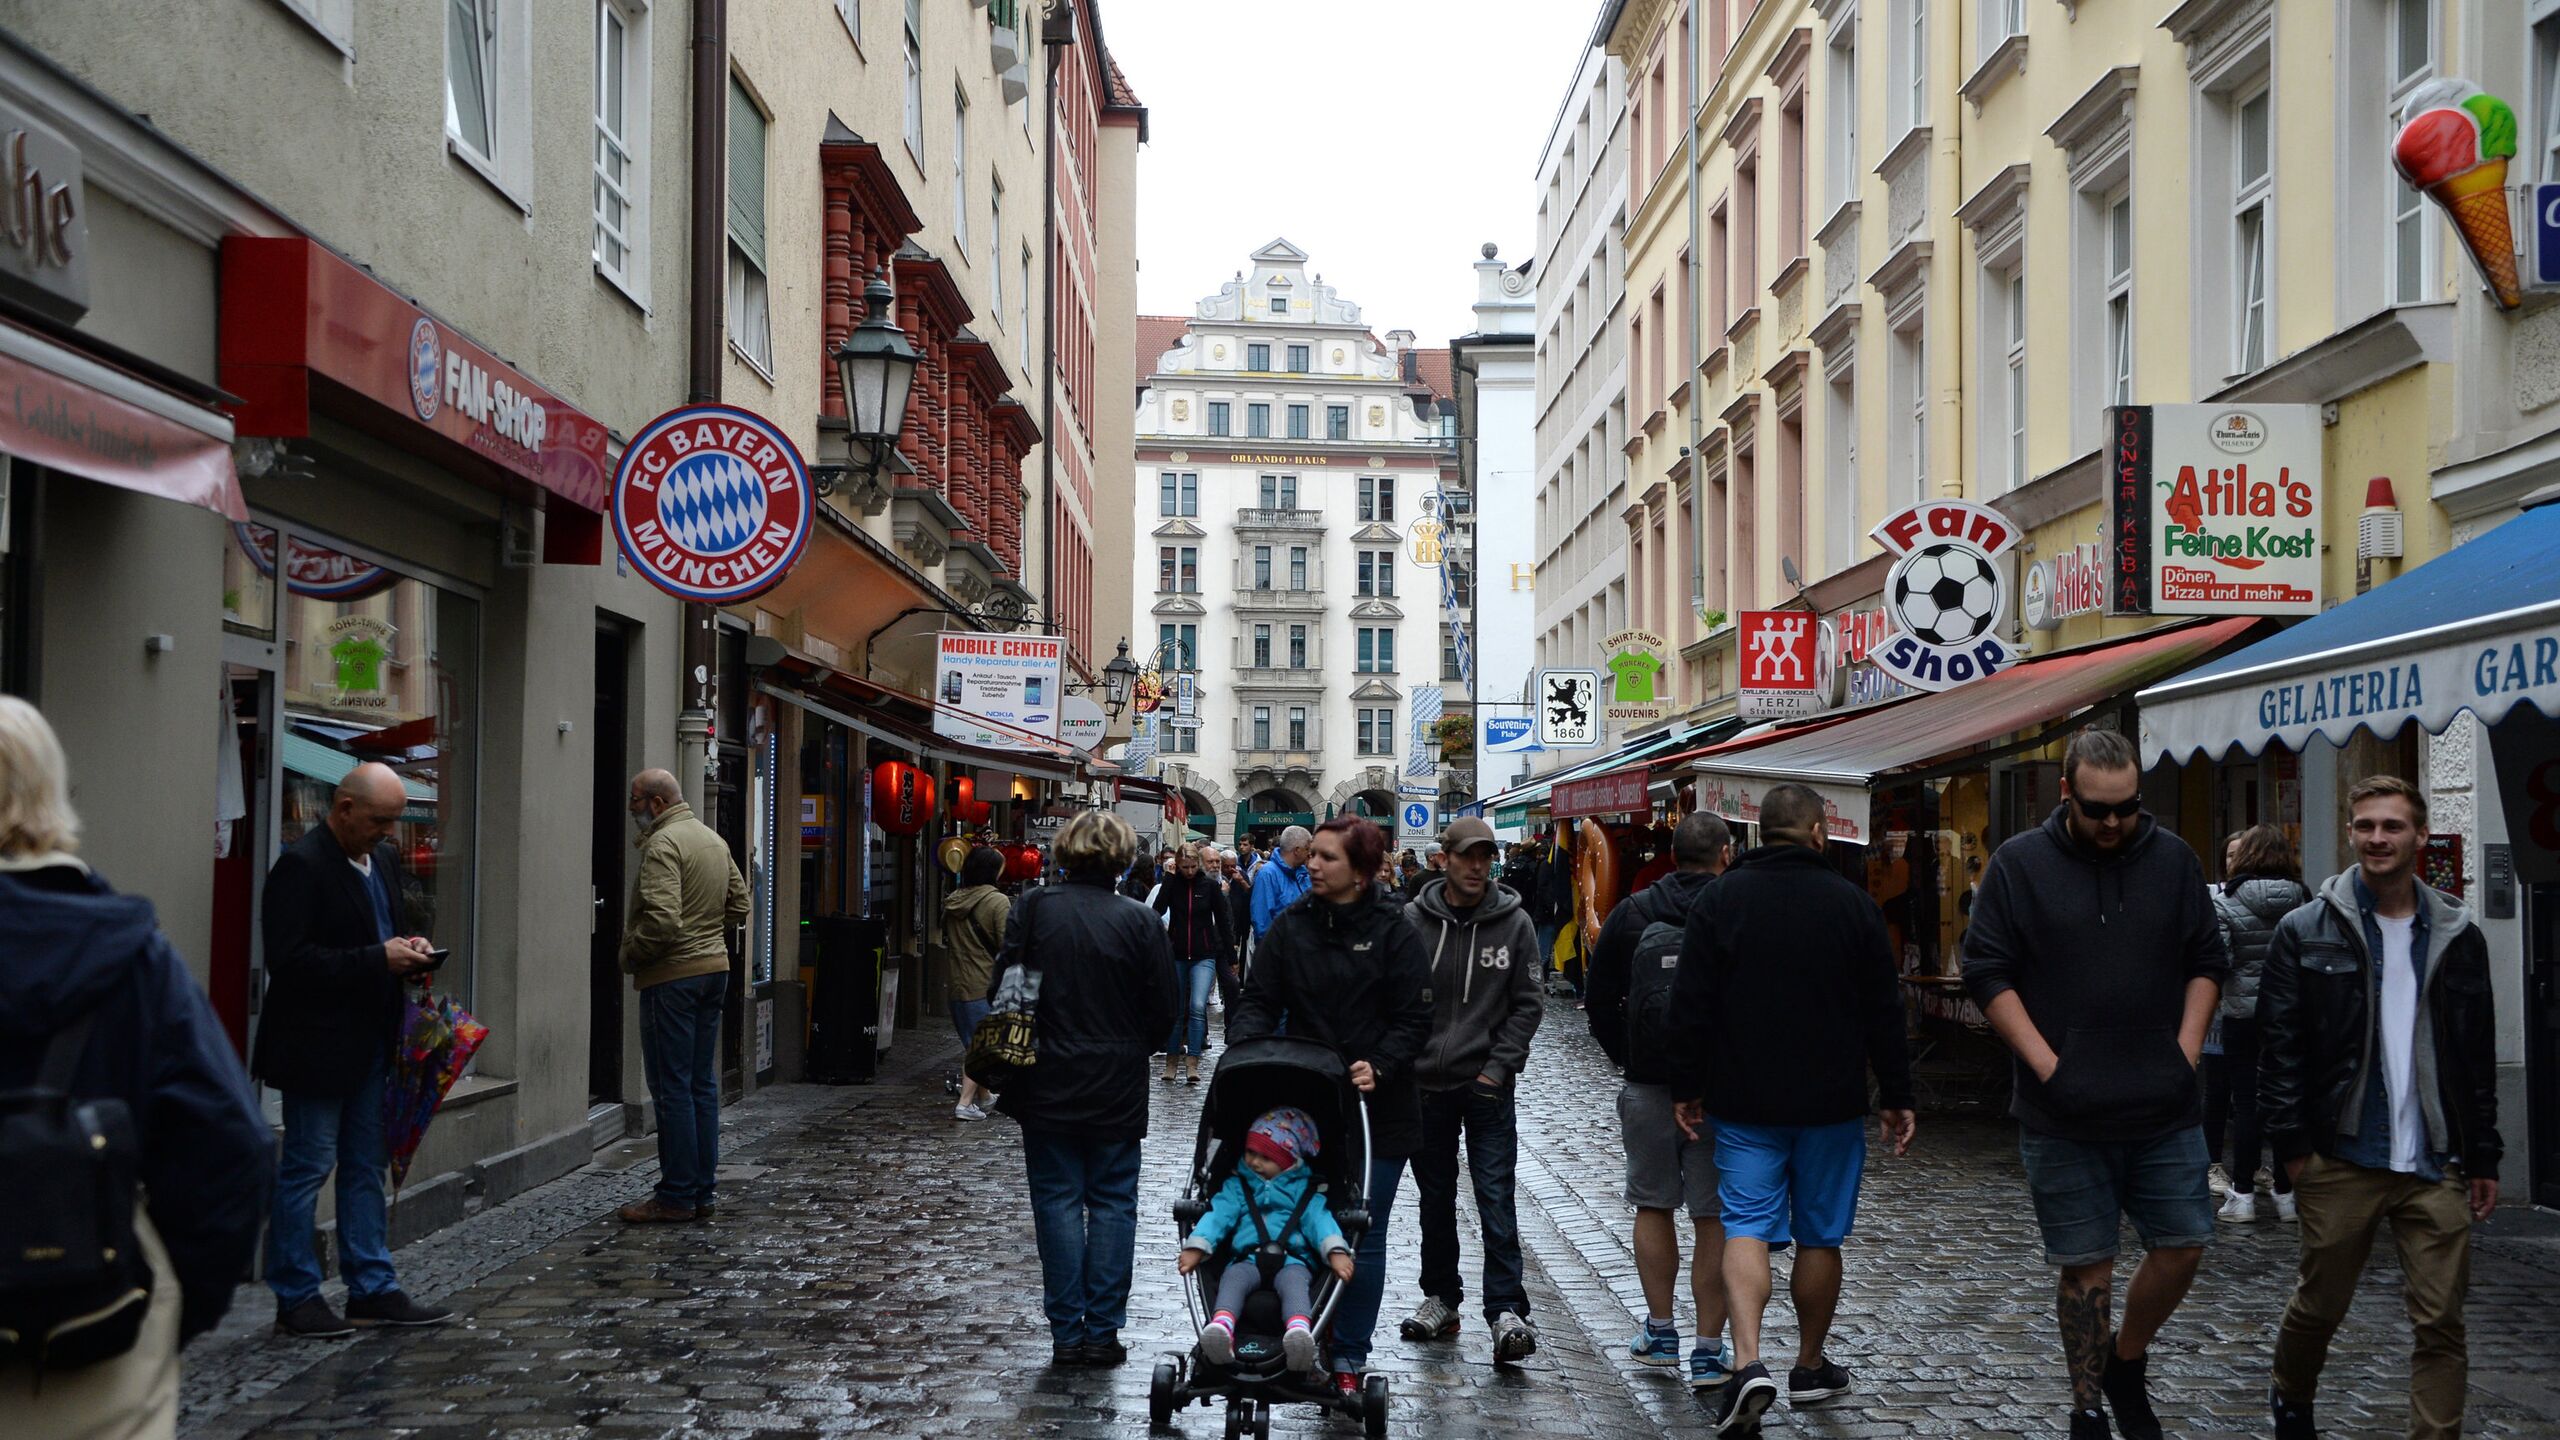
(1787, 567)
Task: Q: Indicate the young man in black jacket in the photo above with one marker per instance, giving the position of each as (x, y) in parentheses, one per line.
(2378, 1084)
(1666, 1170)
(1786, 999)
(2096, 953)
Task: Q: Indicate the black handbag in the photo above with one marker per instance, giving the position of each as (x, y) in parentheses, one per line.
(1007, 1041)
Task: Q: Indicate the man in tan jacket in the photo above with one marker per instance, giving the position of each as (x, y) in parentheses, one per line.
(675, 949)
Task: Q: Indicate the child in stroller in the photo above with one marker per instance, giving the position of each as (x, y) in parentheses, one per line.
(1264, 1222)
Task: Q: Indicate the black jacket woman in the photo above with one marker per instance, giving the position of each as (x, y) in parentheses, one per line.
(2262, 884)
(1194, 907)
(1342, 966)
(1105, 1001)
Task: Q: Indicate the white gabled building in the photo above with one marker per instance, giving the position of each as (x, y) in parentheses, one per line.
(1288, 466)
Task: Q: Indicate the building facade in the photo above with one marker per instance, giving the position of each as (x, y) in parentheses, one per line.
(1581, 366)
(1292, 467)
(1495, 372)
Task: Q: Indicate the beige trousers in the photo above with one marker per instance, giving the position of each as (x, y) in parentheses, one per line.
(2342, 1205)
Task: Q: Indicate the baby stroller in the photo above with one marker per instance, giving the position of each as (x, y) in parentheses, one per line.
(1254, 1076)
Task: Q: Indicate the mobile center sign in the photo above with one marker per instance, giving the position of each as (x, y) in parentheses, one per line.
(2213, 509)
(1011, 680)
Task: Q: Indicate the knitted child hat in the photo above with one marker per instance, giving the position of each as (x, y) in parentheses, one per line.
(1283, 1136)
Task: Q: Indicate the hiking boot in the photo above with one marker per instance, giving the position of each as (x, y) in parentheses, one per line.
(654, 1211)
(1826, 1381)
(2089, 1425)
(1746, 1400)
(2293, 1422)
(312, 1320)
(1656, 1344)
(1514, 1338)
(393, 1308)
(1710, 1367)
(2127, 1384)
(1433, 1319)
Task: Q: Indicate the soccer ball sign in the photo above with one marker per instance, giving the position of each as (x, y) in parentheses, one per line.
(1948, 594)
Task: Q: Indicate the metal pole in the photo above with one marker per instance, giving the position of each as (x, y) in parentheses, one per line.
(702, 381)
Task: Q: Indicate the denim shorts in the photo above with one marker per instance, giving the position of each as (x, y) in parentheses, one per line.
(2085, 1189)
(1666, 1170)
(965, 1015)
(1783, 1182)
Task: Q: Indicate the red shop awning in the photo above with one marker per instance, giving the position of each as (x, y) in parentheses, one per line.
(81, 416)
(305, 331)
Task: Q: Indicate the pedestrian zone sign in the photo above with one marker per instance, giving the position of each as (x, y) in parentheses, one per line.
(1415, 818)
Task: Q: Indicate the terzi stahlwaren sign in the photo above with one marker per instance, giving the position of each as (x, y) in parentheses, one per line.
(2213, 510)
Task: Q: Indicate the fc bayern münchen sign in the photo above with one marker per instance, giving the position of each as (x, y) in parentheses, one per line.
(712, 503)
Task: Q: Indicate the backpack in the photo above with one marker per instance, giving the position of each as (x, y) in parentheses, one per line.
(1650, 972)
(73, 1284)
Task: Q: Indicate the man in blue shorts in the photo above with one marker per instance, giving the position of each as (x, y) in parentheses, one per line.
(1786, 993)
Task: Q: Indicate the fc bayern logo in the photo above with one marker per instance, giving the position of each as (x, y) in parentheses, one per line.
(1947, 595)
(712, 503)
(426, 368)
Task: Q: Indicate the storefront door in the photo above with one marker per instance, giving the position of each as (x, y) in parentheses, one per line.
(2542, 1021)
(610, 850)
(244, 833)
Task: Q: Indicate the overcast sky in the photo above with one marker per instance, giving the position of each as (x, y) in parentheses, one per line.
(1388, 139)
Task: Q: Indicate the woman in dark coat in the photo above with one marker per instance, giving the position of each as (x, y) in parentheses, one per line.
(1342, 966)
(1106, 998)
(2262, 884)
(1194, 907)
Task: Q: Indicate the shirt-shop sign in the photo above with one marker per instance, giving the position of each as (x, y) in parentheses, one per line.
(1782, 668)
(2213, 509)
(46, 258)
(712, 503)
(1946, 595)
(1639, 666)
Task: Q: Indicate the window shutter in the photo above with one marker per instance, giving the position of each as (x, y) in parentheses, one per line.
(746, 174)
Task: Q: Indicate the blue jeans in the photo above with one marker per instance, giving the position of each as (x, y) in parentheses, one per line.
(1493, 1152)
(965, 1015)
(1196, 979)
(1084, 1214)
(322, 1132)
(1356, 1318)
(680, 1050)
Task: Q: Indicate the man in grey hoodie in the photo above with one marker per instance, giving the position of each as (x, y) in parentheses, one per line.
(1485, 1006)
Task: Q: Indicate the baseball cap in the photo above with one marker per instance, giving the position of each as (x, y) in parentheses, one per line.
(1465, 835)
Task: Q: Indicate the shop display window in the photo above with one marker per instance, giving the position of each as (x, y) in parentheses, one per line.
(1934, 842)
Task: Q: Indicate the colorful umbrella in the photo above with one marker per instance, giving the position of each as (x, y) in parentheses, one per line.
(437, 1038)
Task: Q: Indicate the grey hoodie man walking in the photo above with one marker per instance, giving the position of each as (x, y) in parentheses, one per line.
(1485, 1006)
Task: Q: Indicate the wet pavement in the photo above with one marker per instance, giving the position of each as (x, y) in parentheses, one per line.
(872, 1272)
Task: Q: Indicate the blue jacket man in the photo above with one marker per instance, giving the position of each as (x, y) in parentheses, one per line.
(1283, 880)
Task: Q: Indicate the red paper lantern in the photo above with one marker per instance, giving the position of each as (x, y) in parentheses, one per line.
(901, 798)
(964, 795)
(1021, 862)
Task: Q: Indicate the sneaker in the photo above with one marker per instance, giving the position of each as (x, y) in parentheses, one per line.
(1514, 1338)
(2127, 1384)
(312, 1320)
(2293, 1422)
(1218, 1343)
(393, 1308)
(1826, 1381)
(1346, 1384)
(1656, 1344)
(2089, 1425)
(1298, 1343)
(2288, 1209)
(1746, 1400)
(968, 1112)
(2240, 1207)
(1710, 1369)
(1433, 1319)
(2218, 1179)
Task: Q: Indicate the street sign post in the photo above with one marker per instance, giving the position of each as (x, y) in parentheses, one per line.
(1415, 822)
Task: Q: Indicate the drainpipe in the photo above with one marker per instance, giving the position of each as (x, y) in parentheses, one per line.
(709, 283)
(1697, 287)
(1057, 32)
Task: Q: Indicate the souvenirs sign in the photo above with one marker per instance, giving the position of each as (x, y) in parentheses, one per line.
(713, 504)
(1782, 669)
(1639, 684)
(1947, 594)
(2213, 509)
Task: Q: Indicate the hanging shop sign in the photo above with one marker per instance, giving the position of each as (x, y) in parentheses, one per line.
(44, 221)
(1009, 680)
(1947, 594)
(1620, 793)
(2454, 143)
(1639, 666)
(1081, 724)
(712, 504)
(1424, 536)
(2071, 583)
(2213, 509)
(1781, 664)
(1149, 692)
(1845, 808)
(1507, 735)
(1568, 709)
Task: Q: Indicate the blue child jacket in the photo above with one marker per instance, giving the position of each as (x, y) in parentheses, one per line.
(1228, 1230)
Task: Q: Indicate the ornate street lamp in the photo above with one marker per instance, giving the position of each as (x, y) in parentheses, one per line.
(876, 365)
(1117, 678)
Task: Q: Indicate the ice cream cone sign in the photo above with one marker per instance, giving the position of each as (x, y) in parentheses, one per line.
(2454, 144)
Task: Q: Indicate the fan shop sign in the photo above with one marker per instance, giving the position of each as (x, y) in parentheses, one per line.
(712, 503)
(2213, 509)
(1947, 595)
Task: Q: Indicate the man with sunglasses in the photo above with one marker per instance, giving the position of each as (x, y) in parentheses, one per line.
(2096, 954)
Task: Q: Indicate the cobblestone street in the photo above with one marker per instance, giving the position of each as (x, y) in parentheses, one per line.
(872, 1272)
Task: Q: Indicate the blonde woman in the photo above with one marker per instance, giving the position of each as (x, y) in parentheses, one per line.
(78, 952)
(1106, 999)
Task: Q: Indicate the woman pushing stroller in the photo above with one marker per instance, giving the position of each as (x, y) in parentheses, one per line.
(1268, 1224)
